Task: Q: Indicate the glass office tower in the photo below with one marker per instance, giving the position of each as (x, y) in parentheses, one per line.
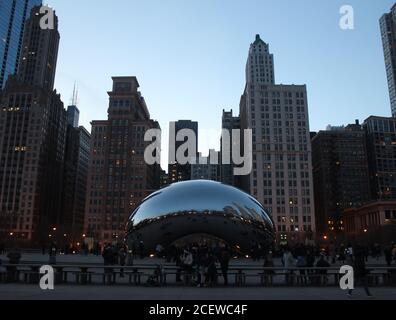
(13, 14)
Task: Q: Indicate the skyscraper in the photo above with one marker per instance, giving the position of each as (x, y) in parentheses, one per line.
(204, 169)
(281, 178)
(73, 116)
(229, 122)
(180, 172)
(341, 178)
(119, 177)
(381, 148)
(13, 14)
(39, 53)
(388, 34)
(75, 179)
(32, 141)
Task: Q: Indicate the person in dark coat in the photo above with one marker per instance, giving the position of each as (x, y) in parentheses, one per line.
(14, 257)
(224, 260)
(388, 255)
(122, 255)
(211, 271)
(141, 249)
(310, 260)
(360, 271)
(107, 255)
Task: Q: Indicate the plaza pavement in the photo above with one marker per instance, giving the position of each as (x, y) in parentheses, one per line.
(31, 292)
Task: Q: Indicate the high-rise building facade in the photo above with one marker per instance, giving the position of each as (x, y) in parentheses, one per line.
(229, 122)
(180, 172)
(341, 178)
(203, 169)
(119, 177)
(39, 49)
(13, 14)
(388, 34)
(73, 116)
(281, 178)
(32, 142)
(75, 179)
(381, 148)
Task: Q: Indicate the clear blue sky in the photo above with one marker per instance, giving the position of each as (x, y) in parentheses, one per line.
(189, 56)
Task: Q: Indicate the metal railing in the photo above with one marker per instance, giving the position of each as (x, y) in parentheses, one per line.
(167, 275)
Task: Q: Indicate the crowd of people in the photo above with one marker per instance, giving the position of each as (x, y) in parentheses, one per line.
(116, 255)
(198, 264)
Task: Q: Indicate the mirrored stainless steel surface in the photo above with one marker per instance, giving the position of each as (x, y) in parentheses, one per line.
(200, 207)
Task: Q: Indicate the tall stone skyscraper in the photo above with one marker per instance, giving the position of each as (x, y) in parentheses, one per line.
(388, 34)
(119, 177)
(32, 140)
(281, 178)
(13, 14)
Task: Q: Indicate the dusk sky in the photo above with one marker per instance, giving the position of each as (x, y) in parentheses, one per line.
(189, 56)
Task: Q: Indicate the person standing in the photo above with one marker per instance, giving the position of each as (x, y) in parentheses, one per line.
(360, 271)
(224, 260)
(302, 264)
(288, 263)
(52, 253)
(107, 255)
(122, 255)
(141, 249)
(269, 263)
(322, 266)
(201, 258)
(342, 254)
(211, 271)
(388, 255)
(158, 250)
(310, 260)
(187, 260)
(14, 258)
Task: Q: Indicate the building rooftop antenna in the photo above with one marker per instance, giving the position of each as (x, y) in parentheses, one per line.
(74, 100)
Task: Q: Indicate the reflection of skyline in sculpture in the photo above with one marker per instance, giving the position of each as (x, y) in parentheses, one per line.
(200, 207)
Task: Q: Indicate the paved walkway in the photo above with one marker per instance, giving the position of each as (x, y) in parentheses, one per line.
(29, 292)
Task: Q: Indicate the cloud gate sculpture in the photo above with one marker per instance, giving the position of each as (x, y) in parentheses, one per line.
(200, 207)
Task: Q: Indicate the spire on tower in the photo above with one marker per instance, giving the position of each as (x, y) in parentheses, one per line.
(74, 100)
